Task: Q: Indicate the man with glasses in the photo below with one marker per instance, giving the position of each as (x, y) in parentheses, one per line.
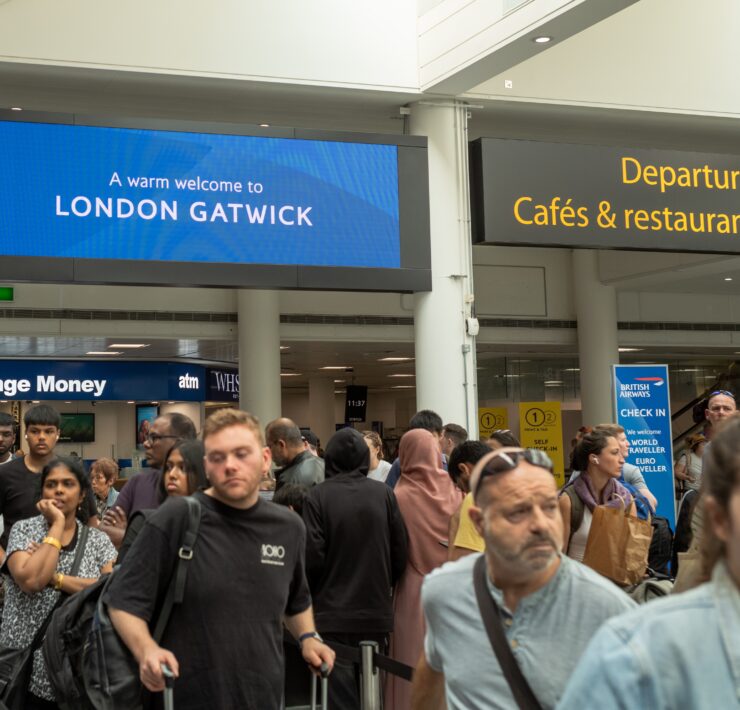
(245, 580)
(547, 605)
(143, 491)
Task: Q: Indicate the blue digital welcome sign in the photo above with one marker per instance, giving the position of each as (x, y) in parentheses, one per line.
(102, 194)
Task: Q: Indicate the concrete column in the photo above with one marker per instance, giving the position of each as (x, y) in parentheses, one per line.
(596, 312)
(321, 407)
(259, 353)
(445, 353)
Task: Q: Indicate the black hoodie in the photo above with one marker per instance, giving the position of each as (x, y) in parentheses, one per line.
(356, 545)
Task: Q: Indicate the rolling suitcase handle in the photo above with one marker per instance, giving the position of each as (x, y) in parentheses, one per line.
(169, 682)
(324, 670)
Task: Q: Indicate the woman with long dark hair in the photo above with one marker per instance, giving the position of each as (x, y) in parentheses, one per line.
(598, 456)
(40, 554)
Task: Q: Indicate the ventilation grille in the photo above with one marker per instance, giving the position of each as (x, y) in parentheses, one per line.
(318, 319)
(78, 314)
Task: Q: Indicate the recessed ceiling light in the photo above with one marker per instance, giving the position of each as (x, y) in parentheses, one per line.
(290, 374)
(16, 108)
(630, 350)
(130, 402)
(129, 346)
(3, 401)
(285, 347)
(553, 383)
(335, 367)
(572, 369)
(728, 278)
(102, 352)
(68, 402)
(395, 359)
(399, 374)
(157, 402)
(542, 39)
(339, 382)
(403, 387)
(35, 401)
(340, 391)
(264, 125)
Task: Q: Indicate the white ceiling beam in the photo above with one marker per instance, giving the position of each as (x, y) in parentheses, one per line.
(463, 43)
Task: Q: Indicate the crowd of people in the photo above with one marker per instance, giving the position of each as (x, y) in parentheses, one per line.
(460, 558)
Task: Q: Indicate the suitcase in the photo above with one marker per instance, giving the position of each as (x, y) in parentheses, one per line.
(324, 688)
(169, 682)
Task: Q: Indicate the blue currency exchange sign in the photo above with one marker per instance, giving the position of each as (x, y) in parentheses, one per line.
(642, 407)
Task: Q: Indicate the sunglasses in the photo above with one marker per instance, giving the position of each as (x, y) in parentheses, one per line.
(723, 392)
(503, 461)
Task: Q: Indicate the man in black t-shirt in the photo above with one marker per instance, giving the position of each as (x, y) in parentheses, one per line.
(246, 578)
(19, 478)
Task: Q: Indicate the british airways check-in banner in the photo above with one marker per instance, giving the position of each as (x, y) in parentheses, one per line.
(119, 193)
(642, 406)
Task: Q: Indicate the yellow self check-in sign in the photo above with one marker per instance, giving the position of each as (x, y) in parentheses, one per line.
(541, 427)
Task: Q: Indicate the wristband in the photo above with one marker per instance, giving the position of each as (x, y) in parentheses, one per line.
(53, 542)
(310, 635)
(58, 581)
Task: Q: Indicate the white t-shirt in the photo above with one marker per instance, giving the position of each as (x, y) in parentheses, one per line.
(380, 473)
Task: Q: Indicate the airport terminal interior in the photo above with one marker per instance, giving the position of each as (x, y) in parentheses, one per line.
(503, 317)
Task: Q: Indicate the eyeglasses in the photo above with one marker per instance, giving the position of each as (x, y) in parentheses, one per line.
(722, 392)
(503, 461)
(154, 438)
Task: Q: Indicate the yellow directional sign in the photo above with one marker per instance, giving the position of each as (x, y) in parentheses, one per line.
(541, 427)
(490, 419)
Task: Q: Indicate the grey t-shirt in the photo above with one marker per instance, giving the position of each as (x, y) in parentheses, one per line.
(548, 632)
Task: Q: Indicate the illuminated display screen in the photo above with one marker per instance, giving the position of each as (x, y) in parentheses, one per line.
(90, 192)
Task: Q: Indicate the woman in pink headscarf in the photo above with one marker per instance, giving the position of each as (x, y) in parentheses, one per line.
(427, 498)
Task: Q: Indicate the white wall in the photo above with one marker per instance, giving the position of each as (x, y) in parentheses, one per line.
(330, 42)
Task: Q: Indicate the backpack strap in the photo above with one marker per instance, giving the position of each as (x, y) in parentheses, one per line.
(80, 549)
(576, 511)
(176, 589)
(79, 552)
(520, 688)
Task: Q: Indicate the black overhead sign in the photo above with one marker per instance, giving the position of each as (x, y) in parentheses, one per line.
(222, 384)
(558, 194)
(355, 404)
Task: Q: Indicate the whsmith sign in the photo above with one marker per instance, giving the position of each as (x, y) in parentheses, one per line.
(557, 194)
(98, 381)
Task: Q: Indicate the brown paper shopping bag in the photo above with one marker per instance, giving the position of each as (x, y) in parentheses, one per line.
(618, 545)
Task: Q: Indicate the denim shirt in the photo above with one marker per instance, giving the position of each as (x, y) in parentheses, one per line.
(680, 652)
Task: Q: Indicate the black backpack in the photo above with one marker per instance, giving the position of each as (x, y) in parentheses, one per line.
(89, 667)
